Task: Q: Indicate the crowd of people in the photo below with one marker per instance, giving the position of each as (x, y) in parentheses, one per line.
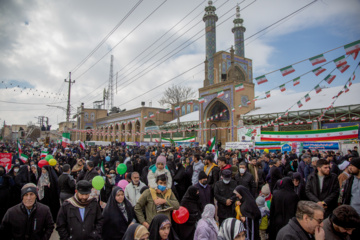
(235, 195)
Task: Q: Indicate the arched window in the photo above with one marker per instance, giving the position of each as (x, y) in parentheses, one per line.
(183, 110)
(196, 107)
(86, 117)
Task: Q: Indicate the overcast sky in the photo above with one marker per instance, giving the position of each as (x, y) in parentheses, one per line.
(156, 42)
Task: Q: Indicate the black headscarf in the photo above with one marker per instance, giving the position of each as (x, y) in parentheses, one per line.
(52, 193)
(300, 189)
(191, 195)
(287, 184)
(23, 176)
(155, 227)
(130, 232)
(248, 205)
(115, 223)
(11, 172)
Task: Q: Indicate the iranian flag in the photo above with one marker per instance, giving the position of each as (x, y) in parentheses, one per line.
(346, 89)
(353, 47)
(330, 134)
(282, 87)
(340, 61)
(343, 119)
(152, 115)
(268, 145)
(65, 139)
(287, 70)
(248, 102)
(168, 110)
(190, 102)
(296, 81)
(329, 79)
(220, 94)
(82, 145)
(233, 109)
(261, 79)
(299, 104)
(331, 119)
(353, 78)
(43, 154)
(23, 158)
(211, 143)
(239, 87)
(318, 71)
(177, 108)
(18, 146)
(307, 98)
(317, 59)
(145, 118)
(268, 94)
(343, 68)
(355, 54)
(221, 114)
(317, 88)
(240, 106)
(201, 100)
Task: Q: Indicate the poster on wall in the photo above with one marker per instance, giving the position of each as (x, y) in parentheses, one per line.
(249, 134)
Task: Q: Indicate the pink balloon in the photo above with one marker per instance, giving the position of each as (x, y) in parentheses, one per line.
(123, 184)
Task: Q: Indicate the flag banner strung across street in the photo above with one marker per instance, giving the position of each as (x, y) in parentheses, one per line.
(282, 88)
(287, 70)
(268, 94)
(318, 71)
(317, 89)
(190, 139)
(307, 98)
(329, 79)
(331, 134)
(261, 79)
(343, 68)
(239, 87)
(317, 59)
(340, 61)
(353, 47)
(299, 104)
(201, 100)
(296, 81)
(65, 139)
(268, 145)
(177, 108)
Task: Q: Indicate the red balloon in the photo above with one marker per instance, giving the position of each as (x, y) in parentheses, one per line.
(181, 215)
(43, 163)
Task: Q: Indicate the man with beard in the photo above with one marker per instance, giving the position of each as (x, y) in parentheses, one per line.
(211, 170)
(132, 190)
(351, 195)
(323, 187)
(341, 224)
(29, 219)
(224, 194)
(80, 217)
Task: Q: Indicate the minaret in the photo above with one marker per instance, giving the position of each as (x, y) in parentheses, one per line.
(238, 31)
(210, 19)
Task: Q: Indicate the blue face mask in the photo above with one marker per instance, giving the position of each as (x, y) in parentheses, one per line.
(161, 187)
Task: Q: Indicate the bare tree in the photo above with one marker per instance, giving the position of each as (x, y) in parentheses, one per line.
(176, 95)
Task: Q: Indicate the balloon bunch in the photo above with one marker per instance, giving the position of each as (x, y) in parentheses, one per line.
(49, 160)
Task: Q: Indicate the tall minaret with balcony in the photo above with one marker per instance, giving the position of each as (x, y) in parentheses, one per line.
(210, 18)
(238, 31)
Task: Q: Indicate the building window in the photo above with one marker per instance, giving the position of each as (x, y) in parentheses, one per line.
(86, 117)
(196, 107)
(188, 109)
(183, 110)
(92, 117)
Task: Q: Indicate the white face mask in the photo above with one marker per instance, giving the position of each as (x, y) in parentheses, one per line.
(242, 171)
(16, 170)
(226, 181)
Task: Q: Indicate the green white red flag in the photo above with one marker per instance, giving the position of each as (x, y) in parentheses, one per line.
(18, 145)
(211, 144)
(177, 108)
(268, 94)
(239, 87)
(220, 94)
(296, 81)
(299, 104)
(23, 158)
(43, 154)
(307, 98)
(168, 110)
(65, 139)
(282, 88)
(152, 115)
(330, 78)
(318, 71)
(190, 102)
(261, 79)
(287, 70)
(330, 134)
(317, 59)
(201, 100)
(346, 89)
(343, 68)
(317, 88)
(233, 109)
(248, 102)
(82, 145)
(353, 48)
(240, 106)
(340, 61)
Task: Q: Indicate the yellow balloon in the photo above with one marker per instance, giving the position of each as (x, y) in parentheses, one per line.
(52, 162)
(266, 150)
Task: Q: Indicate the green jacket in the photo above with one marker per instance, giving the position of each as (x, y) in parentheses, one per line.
(146, 202)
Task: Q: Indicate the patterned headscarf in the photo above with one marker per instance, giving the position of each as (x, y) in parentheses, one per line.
(208, 216)
(230, 228)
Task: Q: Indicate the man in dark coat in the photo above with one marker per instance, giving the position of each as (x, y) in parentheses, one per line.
(246, 179)
(224, 194)
(211, 170)
(206, 195)
(66, 184)
(80, 217)
(91, 171)
(306, 224)
(28, 219)
(351, 194)
(275, 174)
(323, 187)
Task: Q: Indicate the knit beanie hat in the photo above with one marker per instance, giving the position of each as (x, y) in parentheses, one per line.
(29, 187)
(202, 175)
(355, 162)
(265, 189)
(161, 159)
(260, 201)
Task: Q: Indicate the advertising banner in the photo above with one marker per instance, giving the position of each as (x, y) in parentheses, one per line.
(321, 145)
(238, 145)
(5, 160)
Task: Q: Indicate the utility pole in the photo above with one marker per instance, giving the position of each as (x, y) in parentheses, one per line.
(68, 104)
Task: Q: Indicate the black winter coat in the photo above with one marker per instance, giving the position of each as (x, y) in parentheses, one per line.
(275, 175)
(66, 184)
(214, 176)
(222, 192)
(17, 225)
(347, 190)
(70, 225)
(293, 231)
(246, 180)
(329, 193)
